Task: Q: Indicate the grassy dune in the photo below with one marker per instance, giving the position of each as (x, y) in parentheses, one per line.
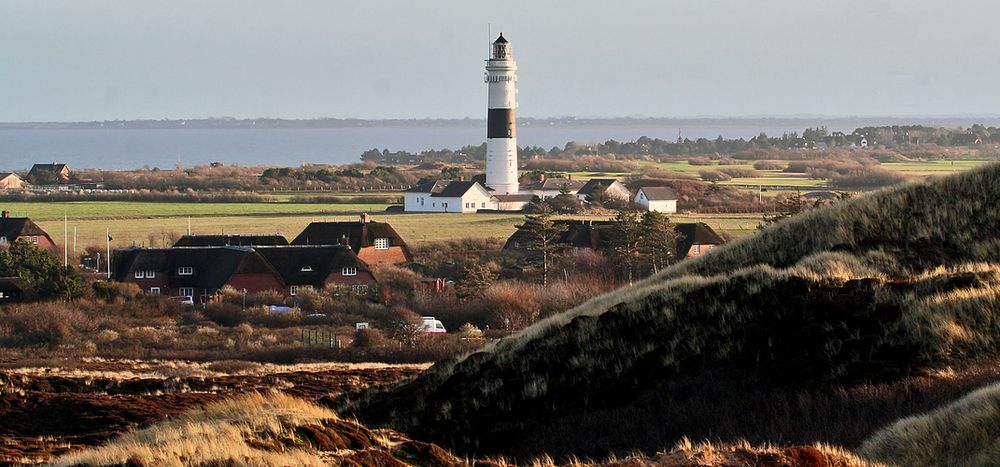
(759, 338)
(962, 433)
(260, 429)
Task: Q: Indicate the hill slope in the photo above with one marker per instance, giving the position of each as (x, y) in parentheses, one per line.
(962, 433)
(748, 340)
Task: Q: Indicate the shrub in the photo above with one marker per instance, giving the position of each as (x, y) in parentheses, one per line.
(47, 324)
(769, 165)
(234, 367)
(111, 291)
(369, 339)
(869, 178)
(699, 161)
(514, 305)
(739, 172)
(714, 176)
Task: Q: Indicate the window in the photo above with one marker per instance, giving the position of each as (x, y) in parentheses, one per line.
(140, 274)
(306, 269)
(381, 243)
(186, 292)
(150, 274)
(293, 290)
(350, 271)
(33, 239)
(697, 249)
(154, 290)
(185, 271)
(484, 205)
(3, 239)
(359, 289)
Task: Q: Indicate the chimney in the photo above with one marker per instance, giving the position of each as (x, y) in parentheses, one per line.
(365, 218)
(542, 177)
(461, 178)
(570, 177)
(5, 214)
(343, 240)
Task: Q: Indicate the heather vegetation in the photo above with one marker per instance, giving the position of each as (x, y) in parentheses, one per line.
(822, 327)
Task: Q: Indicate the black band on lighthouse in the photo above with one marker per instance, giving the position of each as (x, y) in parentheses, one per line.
(500, 123)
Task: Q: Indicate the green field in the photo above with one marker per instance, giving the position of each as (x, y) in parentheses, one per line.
(153, 224)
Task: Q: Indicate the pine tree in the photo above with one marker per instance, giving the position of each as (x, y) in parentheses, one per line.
(478, 277)
(623, 249)
(543, 236)
(658, 241)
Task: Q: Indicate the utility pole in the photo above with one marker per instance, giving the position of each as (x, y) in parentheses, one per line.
(109, 252)
(65, 241)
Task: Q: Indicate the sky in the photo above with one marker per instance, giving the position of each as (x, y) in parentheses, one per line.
(73, 60)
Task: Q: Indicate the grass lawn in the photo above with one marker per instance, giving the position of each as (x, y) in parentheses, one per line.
(46, 211)
(933, 167)
(152, 224)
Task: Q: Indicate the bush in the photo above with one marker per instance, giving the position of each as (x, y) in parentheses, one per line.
(699, 161)
(869, 178)
(111, 291)
(514, 305)
(769, 165)
(48, 324)
(369, 339)
(714, 176)
(739, 172)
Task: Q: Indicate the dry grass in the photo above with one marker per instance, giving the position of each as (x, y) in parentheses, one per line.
(962, 433)
(219, 433)
(124, 369)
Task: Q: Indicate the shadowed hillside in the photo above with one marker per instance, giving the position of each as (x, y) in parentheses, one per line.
(820, 328)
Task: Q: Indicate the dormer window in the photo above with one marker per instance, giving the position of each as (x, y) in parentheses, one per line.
(3, 240)
(382, 243)
(185, 271)
(350, 271)
(306, 269)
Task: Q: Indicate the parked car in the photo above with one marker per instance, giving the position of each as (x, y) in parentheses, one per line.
(433, 326)
(183, 300)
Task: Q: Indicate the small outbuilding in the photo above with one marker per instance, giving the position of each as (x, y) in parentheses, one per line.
(656, 198)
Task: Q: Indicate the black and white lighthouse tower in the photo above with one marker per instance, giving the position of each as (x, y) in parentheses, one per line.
(501, 129)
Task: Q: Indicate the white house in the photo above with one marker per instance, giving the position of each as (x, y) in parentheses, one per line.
(448, 196)
(612, 189)
(656, 198)
(552, 187)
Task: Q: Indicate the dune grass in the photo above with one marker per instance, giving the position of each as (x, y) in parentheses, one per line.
(966, 432)
(222, 432)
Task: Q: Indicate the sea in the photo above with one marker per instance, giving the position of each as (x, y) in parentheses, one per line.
(120, 149)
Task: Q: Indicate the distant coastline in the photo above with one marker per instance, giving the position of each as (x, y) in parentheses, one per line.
(764, 122)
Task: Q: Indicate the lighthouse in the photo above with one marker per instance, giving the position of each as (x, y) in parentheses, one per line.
(501, 129)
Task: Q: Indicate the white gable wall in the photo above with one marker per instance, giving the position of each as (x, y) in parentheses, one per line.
(665, 206)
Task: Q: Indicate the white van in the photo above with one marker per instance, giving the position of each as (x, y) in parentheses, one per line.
(432, 325)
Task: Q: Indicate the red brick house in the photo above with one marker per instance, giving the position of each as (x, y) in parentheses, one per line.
(201, 272)
(375, 243)
(195, 272)
(319, 266)
(49, 174)
(13, 229)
